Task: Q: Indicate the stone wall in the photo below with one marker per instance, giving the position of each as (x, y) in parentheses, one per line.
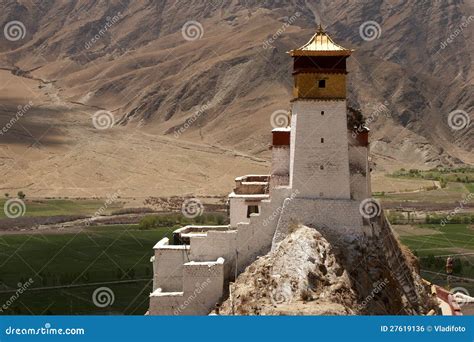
(319, 152)
(203, 289)
(168, 265)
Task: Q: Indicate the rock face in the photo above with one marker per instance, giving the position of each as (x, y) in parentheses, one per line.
(306, 275)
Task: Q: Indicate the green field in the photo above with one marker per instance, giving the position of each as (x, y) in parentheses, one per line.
(433, 243)
(58, 207)
(118, 256)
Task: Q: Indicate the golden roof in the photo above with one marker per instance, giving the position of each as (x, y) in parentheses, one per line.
(321, 45)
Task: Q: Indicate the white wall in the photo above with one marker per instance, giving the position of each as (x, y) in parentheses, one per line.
(308, 153)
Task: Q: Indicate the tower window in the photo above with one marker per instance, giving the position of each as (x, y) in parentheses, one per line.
(322, 83)
(322, 112)
(322, 167)
(322, 140)
(252, 209)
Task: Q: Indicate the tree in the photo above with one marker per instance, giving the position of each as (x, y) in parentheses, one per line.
(21, 194)
(7, 194)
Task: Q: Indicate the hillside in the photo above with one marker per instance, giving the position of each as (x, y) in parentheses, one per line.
(226, 84)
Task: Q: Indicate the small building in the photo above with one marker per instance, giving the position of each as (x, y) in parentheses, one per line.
(319, 177)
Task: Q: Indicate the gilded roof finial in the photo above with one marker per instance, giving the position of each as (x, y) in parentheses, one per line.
(320, 29)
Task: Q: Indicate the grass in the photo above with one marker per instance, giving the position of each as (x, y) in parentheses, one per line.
(106, 254)
(453, 192)
(456, 240)
(58, 207)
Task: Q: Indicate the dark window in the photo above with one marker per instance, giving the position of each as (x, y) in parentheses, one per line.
(322, 140)
(322, 167)
(322, 83)
(322, 112)
(252, 209)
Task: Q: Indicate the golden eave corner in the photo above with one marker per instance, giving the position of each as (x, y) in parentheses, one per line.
(321, 45)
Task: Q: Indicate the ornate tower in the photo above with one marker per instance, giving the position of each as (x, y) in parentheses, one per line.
(319, 158)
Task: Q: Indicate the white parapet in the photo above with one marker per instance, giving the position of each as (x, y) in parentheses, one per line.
(203, 286)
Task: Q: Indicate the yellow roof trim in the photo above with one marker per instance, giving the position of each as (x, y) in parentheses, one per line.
(321, 44)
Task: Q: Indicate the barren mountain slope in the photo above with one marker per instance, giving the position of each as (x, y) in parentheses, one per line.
(230, 80)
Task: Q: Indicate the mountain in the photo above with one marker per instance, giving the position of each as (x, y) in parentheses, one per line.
(191, 87)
